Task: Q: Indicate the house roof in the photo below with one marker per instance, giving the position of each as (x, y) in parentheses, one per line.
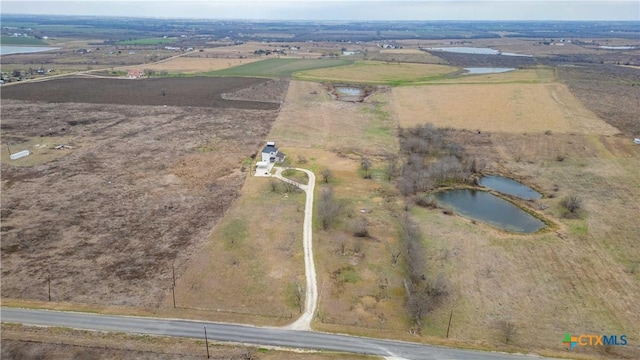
(269, 149)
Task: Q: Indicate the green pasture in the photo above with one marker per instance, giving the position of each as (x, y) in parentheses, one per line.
(278, 67)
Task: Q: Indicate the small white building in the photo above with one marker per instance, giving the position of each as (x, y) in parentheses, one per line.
(271, 154)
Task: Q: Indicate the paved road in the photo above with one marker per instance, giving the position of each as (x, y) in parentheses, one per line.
(244, 334)
(311, 293)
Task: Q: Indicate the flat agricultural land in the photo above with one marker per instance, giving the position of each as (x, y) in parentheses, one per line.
(147, 41)
(515, 108)
(252, 262)
(192, 65)
(197, 91)
(136, 193)
(310, 118)
(378, 72)
(279, 67)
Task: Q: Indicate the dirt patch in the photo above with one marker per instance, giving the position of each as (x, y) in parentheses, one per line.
(196, 91)
(270, 91)
(139, 192)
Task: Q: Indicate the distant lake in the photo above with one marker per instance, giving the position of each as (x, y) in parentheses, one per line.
(10, 49)
(476, 50)
(617, 47)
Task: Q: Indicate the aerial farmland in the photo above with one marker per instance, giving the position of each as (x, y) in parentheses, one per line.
(138, 195)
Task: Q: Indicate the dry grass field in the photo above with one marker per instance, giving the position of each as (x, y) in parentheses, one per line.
(138, 191)
(192, 65)
(378, 73)
(253, 260)
(310, 118)
(515, 108)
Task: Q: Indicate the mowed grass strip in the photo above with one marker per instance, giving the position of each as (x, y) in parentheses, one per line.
(526, 76)
(278, 67)
(377, 72)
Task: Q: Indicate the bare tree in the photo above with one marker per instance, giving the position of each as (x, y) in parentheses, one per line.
(298, 295)
(365, 164)
(395, 254)
(326, 175)
(328, 208)
(273, 185)
(412, 239)
(392, 167)
(360, 227)
(572, 205)
(423, 298)
(508, 330)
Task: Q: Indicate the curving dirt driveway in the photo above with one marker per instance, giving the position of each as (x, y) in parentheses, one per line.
(311, 293)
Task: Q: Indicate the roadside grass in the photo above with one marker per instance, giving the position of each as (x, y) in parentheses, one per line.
(53, 343)
(277, 67)
(376, 72)
(21, 40)
(147, 41)
(250, 259)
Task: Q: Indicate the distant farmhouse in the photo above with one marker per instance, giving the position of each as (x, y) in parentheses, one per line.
(135, 74)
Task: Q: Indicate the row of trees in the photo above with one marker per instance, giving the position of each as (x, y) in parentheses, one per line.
(423, 292)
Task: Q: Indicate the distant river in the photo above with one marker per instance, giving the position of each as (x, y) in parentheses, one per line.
(9, 49)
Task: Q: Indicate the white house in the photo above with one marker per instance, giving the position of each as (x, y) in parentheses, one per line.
(271, 154)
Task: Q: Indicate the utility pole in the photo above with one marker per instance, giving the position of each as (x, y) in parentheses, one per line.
(49, 281)
(449, 326)
(173, 287)
(206, 341)
(9, 148)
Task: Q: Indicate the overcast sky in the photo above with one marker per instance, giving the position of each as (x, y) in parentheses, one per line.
(339, 10)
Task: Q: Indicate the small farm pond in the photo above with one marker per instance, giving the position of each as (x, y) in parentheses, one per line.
(486, 70)
(349, 91)
(488, 208)
(510, 187)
